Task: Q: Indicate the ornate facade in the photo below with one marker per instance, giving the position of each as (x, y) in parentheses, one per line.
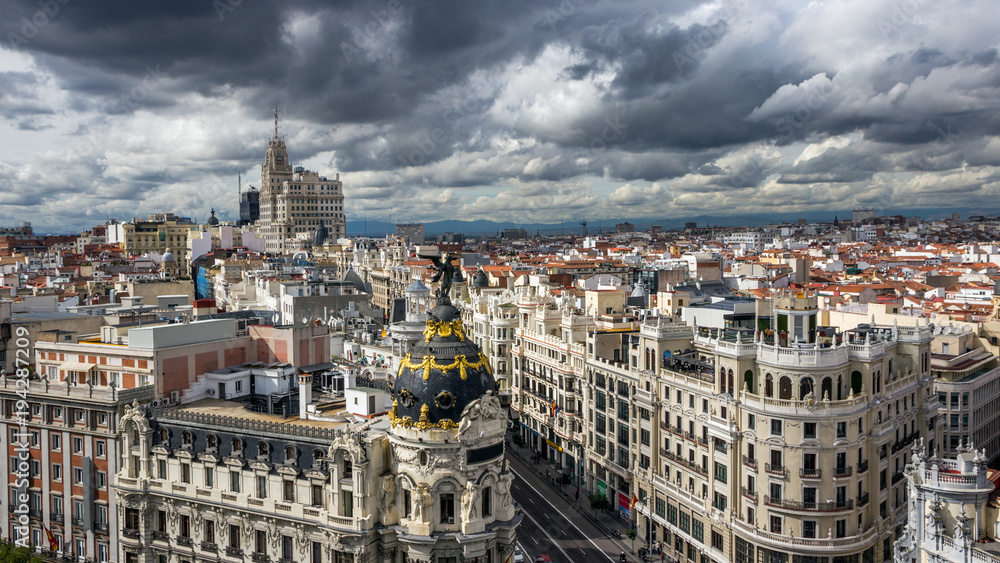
(210, 480)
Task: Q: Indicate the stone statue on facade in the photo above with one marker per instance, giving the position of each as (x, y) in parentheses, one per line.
(422, 500)
(470, 501)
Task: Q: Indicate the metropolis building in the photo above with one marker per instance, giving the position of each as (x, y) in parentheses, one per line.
(208, 480)
(295, 202)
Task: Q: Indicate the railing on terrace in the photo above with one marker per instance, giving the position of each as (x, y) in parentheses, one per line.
(749, 461)
(828, 506)
(260, 427)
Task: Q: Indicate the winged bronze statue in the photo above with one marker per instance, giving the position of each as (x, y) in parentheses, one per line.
(445, 272)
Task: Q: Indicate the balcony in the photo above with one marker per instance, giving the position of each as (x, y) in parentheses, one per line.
(897, 477)
(101, 527)
(750, 462)
(863, 499)
(775, 469)
(131, 533)
(234, 551)
(829, 506)
(809, 473)
(185, 541)
(840, 472)
(209, 546)
(77, 522)
(862, 466)
(260, 558)
(160, 536)
(751, 495)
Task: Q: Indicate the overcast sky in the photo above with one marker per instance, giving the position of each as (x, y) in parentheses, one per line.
(529, 111)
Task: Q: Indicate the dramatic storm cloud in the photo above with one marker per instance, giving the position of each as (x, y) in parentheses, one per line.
(518, 110)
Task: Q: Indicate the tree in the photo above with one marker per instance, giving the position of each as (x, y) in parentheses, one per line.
(518, 439)
(11, 553)
(598, 501)
(630, 534)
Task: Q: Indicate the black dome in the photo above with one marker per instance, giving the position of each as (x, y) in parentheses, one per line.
(430, 390)
(480, 279)
(320, 236)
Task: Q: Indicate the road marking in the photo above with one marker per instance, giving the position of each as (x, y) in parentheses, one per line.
(523, 480)
(551, 539)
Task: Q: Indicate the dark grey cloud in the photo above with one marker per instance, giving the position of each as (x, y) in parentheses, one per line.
(461, 101)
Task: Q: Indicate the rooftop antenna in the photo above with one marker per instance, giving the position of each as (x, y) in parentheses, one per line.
(584, 225)
(275, 122)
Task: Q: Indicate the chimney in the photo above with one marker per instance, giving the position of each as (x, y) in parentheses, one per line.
(305, 394)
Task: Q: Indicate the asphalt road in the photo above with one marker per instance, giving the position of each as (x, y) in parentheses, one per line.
(551, 528)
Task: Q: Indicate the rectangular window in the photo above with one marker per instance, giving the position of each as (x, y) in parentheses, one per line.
(185, 472)
(209, 531)
(720, 472)
(698, 530)
(776, 426)
(447, 508)
(685, 522)
(288, 488)
(234, 536)
(809, 430)
(261, 486)
(78, 446)
(809, 529)
(56, 442)
(102, 480)
(234, 481)
(716, 540)
(100, 448)
(209, 477)
(77, 476)
(487, 501)
(775, 522)
(261, 543)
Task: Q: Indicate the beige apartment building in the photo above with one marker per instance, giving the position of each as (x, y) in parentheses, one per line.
(787, 442)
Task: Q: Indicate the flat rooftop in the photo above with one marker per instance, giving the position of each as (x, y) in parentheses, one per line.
(234, 409)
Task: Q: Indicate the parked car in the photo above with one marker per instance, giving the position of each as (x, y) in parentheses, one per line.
(518, 555)
(543, 559)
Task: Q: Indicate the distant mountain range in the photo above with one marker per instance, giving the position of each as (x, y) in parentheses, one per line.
(376, 228)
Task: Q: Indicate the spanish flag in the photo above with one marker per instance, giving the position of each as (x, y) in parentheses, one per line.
(635, 499)
(53, 542)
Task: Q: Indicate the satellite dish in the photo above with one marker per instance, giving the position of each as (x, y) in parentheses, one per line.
(305, 320)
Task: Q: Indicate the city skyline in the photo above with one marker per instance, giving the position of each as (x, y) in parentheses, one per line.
(520, 112)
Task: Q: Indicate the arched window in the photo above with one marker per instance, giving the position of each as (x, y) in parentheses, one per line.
(188, 438)
(165, 436)
(785, 387)
(732, 388)
(827, 388)
(290, 453)
(805, 387)
(748, 382)
(262, 449)
(877, 380)
(237, 446)
(840, 387)
(856, 382)
(768, 386)
(318, 455)
(212, 441)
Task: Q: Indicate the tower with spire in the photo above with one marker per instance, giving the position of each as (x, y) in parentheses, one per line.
(295, 202)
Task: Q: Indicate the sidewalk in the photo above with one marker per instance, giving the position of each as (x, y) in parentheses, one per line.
(604, 522)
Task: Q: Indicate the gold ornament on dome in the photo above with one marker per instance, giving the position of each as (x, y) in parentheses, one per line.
(423, 424)
(444, 329)
(461, 363)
